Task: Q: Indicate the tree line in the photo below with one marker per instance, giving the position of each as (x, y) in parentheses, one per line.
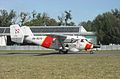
(106, 25)
(34, 19)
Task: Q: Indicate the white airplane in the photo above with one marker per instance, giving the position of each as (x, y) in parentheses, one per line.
(52, 41)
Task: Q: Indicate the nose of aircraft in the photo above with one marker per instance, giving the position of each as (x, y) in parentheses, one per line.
(89, 46)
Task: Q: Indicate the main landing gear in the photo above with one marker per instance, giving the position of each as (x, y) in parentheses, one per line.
(63, 51)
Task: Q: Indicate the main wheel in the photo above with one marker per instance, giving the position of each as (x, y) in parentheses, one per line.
(63, 52)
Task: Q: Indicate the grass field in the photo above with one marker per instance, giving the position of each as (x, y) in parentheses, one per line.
(60, 67)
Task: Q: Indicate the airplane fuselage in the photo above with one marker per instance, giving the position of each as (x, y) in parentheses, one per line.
(77, 42)
(53, 41)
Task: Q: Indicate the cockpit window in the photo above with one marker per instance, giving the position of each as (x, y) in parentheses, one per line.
(86, 40)
(82, 40)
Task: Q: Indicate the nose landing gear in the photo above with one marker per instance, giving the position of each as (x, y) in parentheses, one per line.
(92, 52)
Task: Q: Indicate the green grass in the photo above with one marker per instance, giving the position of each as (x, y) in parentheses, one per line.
(60, 67)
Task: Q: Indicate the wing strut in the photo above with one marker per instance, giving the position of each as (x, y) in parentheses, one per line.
(63, 47)
(63, 50)
(60, 39)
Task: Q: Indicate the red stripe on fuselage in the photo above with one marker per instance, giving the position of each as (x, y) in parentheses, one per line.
(47, 42)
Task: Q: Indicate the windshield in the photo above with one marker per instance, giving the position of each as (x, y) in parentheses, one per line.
(88, 41)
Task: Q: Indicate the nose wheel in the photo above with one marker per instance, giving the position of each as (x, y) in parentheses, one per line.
(92, 52)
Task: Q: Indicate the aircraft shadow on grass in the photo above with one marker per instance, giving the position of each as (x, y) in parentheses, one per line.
(37, 54)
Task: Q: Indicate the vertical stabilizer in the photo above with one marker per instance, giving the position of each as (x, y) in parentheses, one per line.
(82, 29)
(16, 34)
(27, 31)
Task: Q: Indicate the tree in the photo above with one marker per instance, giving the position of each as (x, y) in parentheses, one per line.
(6, 18)
(107, 28)
(42, 19)
(87, 25)
(34, 14)
(24, 17)
(116, 13)
(71, 24)
(67, 17)
(63, 20)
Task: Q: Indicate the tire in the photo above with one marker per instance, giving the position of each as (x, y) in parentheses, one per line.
(91, 52)
(63, 52)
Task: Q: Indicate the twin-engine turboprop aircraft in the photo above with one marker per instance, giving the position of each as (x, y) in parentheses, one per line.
(52, 41)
